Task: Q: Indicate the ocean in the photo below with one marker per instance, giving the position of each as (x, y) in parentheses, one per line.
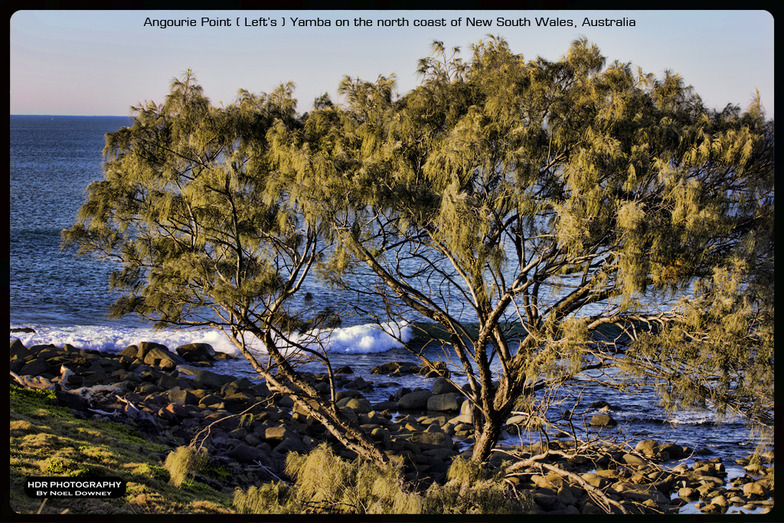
(64, 298)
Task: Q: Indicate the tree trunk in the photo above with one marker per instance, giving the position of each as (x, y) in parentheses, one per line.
(344, 430)
(486, 436)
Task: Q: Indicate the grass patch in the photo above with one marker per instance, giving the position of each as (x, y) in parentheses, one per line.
(326, 484)
(47, 440)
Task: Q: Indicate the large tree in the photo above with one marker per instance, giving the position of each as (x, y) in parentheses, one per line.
(548, 216)
(206, 234)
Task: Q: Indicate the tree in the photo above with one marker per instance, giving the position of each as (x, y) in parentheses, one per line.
(206, 233)
(547, 216)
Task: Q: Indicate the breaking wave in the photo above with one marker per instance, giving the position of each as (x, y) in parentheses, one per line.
(357, 339)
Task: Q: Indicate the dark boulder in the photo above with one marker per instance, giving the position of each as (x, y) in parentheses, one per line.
(416, 400)
(196, 352)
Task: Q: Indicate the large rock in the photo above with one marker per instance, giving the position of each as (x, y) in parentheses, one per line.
(291, 445)
(385, 368)
(210, 380)
(416, 400)
(640, 493)
(245, 453)
(183, 397)
(631, 459)
(196, 352)
(753, 490)
(675, 451)
(358, 405)
(238, 385)
(39, 367)
(603, 420)
(279, 433)
(443, 386)
(18, 350)
(159, 356)
(238, 402)
(443, 402)
(437, 439)
(647, 447)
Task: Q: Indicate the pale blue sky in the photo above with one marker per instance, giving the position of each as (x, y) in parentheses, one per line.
(102, 62)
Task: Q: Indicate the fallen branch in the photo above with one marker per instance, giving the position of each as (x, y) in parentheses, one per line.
(208, 428)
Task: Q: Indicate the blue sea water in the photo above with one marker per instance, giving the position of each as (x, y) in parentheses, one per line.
(64, 298)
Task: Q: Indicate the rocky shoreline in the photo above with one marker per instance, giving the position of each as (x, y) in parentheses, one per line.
(249, 429)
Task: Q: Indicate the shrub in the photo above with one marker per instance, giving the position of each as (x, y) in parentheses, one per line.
(471, 489)
(325, 483)
(183, 461)
(269, 498)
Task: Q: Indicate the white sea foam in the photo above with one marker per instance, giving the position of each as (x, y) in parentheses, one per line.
(367, 338)
(360, 339)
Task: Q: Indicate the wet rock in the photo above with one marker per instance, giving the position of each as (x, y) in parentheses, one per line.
(603, 420)
(754, 490)
(40, 367)
(433, 369)
(675, 451)
(443, 386)
(358, 405)
(210, 380)
(238, 402)
(647, 447)
(359, 383)
(640, 493)
(18, 350)
(390, 406)
(196, 352)
(159, 356)
(438, 439)
(688, 493)
(395, 368)
(443, 402)
(416, 400)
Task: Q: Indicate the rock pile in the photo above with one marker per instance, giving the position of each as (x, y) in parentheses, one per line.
(248, 429)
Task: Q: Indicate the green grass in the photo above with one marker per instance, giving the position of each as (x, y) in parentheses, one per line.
(46, 440)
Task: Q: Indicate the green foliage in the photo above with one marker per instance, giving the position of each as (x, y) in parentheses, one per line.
(183, 461)
(562, 195)
(523, 205)
(720, 351)
(61, 466)
(49, 440)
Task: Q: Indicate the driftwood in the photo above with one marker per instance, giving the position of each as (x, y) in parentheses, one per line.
(33, 382)
(586, 450)
(208, 428)
(604, 501)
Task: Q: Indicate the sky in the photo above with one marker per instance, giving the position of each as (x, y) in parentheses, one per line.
(105, 62)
